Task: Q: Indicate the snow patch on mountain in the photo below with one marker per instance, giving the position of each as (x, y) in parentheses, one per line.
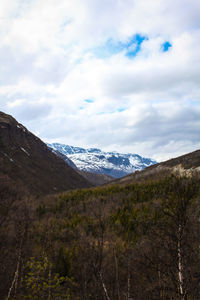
(96, 161)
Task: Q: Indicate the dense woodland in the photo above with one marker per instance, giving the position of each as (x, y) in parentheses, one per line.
(137, 241)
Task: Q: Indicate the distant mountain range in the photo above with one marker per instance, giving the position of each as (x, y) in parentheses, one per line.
(94, 160)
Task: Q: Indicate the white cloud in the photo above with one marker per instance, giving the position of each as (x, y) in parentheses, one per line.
(148, 104)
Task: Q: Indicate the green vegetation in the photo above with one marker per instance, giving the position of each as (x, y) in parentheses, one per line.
(138, 241)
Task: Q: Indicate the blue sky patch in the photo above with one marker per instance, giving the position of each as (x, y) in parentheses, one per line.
(111, 47)
(166, 46)
(134, 45)
(121, 109)
(89, 101)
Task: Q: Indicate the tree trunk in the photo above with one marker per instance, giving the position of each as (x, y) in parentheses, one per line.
(104, 286)
(182, 290)
(16, 275)
(117, 274)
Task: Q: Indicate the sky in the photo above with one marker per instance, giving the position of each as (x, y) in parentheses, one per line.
(120, 75)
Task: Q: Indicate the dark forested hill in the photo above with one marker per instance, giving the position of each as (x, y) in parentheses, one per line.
(25, 159)
(138, 241)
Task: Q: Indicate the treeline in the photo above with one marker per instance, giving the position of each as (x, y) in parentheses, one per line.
(140, 241)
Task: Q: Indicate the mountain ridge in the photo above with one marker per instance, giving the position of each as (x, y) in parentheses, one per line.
(94, 160)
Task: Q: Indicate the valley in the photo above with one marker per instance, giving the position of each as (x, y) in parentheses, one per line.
(135, 237)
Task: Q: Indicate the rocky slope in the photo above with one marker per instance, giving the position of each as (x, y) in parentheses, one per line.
(25, 159)
(108, 163)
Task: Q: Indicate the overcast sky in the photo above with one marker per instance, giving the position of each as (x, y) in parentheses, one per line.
(119, 75)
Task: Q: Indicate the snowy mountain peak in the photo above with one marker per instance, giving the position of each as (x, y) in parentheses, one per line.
(96, 161)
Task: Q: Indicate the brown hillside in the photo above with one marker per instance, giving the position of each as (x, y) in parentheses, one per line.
(185, 164)
(25, 159)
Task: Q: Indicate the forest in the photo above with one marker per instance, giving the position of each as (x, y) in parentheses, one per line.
(115, 242)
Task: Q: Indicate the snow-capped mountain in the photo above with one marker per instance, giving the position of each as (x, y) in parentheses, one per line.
(96, 161)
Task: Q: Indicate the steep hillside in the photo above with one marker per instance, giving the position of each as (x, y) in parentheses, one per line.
(25, 159)
(109, 163)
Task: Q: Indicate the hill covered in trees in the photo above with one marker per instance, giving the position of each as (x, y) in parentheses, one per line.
(136, 241)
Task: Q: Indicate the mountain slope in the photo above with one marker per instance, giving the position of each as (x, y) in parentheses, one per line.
(94, 160)
(95, 178)
(186, 165)
(25, 159)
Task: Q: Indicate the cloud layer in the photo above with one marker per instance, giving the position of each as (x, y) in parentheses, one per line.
(55, 55)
